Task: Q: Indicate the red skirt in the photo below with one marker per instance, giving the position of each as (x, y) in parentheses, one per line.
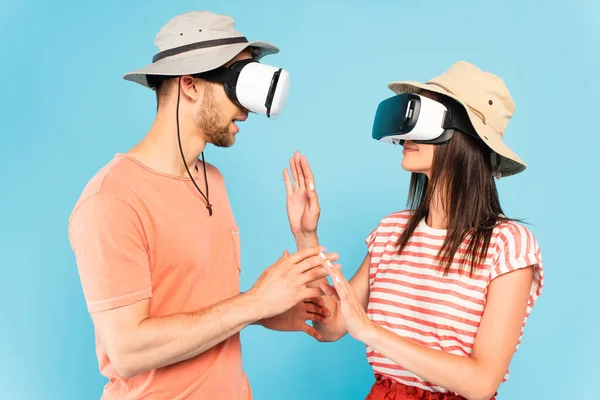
(387, 389)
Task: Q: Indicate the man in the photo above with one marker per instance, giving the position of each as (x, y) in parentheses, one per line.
(159, 257)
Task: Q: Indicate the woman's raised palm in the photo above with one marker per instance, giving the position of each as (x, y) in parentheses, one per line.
(302, 201)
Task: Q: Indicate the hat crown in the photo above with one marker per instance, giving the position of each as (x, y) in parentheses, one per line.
(193, 27)
(485, 94)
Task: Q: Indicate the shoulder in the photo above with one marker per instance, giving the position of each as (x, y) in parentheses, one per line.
(108, 193)
(396, 219)
(393, 223)
(212, 171)
(113, 178)
(516, 248)
(389, 227)
(515, 238)
(212, 168)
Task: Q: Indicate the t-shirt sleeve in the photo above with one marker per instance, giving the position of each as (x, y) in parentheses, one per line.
(109, 243)
(517, 248)
(370, 240)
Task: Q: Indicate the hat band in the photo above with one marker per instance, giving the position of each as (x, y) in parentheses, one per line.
(196, 46)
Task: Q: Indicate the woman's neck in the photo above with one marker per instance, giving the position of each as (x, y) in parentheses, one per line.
(437, 217)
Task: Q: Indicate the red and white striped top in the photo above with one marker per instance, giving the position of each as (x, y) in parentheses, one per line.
(410, 295)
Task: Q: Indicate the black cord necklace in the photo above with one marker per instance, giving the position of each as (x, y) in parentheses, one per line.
(208, 205)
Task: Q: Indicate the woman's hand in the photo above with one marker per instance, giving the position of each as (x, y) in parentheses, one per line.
(302, 201)
(358, 324)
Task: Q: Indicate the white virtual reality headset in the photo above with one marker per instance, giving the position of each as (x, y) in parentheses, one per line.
(420, 119)
(256, 87)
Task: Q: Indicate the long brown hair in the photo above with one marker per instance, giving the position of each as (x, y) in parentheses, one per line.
(462, 177)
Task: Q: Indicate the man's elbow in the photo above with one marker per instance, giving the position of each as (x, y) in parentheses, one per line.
(124, 364)
(124, 361)
(124, 372)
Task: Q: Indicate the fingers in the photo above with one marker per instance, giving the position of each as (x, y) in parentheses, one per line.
(299, 171)
(321, 293)
(289, 190)
(311, 331)
(329, 291)
(309, 179)
(313, 274)
(331, 257)
(317, 318)
(335, 273)
(310, 292)
(303, 254)
(339, 281)
(306, 171)
(316, 300)
(314, 261)
(317, 312)
(294, 173)
(341, 290)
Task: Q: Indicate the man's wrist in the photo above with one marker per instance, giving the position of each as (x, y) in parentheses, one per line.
(252, 307)
(306, 240)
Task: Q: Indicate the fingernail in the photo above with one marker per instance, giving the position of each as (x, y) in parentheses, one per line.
(312, 187)
(322, 256)
(337, 280)
(329, 264)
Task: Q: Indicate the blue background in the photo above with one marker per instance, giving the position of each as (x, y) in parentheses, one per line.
(65, 111)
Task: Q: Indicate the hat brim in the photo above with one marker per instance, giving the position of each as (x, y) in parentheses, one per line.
(197, 61)
(510, 163)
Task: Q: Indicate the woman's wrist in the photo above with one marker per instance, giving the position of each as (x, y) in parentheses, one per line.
(368, 334)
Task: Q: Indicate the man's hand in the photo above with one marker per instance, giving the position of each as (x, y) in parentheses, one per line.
(295, 318)
(286, 283)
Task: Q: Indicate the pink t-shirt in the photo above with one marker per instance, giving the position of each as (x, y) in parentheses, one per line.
(138, 234)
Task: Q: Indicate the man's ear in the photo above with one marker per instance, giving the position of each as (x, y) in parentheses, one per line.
(190, 88)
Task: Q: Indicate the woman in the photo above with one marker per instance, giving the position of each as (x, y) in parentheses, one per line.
(445, 289)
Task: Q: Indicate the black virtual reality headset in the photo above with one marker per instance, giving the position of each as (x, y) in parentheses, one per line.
(420, 119)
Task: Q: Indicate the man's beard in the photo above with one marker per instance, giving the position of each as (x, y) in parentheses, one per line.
(208, 121)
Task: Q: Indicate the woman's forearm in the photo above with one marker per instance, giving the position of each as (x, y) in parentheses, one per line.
(460, 374)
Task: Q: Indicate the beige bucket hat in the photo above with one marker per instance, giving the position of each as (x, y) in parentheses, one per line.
(195, 42)
(488, 103)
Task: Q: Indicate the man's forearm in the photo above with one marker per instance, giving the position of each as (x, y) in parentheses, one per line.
(166, 340)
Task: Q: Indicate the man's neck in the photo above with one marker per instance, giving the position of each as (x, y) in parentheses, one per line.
(159, 149)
